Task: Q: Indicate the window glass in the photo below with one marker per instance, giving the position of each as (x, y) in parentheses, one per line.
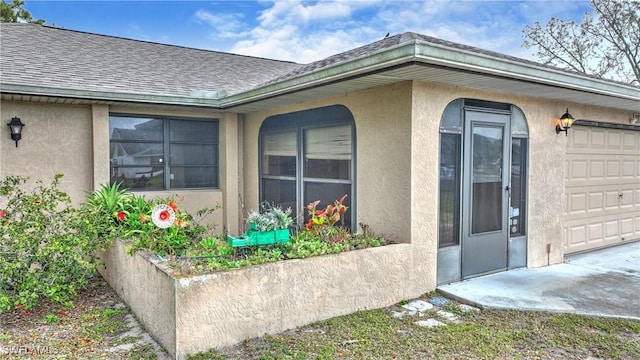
(281, 192)
(279, 153)
(187, 154)
(327, 152)
(518, 122)
(193, 177)
(328, 193)
(452, 117)
(449, 218)
(194, 131)
(139, 177)
(135, 129)
(518, 206)
(486, 172)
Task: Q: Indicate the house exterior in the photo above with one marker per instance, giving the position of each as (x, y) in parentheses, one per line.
(446, 147)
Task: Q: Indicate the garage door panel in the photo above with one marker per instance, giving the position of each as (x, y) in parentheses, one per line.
(602, 188)
(596, 170)
(596, 201)
(626, 227)
(614, 140)
(628, 169)
(578, 203)
(630, 142)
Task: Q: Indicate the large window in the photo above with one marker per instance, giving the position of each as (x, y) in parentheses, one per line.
(307, 156)
(158, 153)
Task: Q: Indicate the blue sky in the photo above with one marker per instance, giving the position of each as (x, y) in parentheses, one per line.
(305, 31)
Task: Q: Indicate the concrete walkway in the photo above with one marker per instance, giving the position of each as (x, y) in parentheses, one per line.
(601, 283)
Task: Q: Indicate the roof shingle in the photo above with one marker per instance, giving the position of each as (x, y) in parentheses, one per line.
(36, 55)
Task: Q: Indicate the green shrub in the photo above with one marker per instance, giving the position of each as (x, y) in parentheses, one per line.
(114, 212)
(44, 254)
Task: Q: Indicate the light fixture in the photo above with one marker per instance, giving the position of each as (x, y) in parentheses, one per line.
(564, 123)
(16, 129)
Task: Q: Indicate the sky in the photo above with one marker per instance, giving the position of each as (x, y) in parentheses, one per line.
(306, 31)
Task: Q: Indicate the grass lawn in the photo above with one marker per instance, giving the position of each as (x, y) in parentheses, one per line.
(99, 326)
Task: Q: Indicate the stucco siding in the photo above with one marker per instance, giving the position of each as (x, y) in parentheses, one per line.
(55, 140)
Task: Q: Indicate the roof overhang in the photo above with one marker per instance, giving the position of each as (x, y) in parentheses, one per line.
(413, 60)
(424, 61)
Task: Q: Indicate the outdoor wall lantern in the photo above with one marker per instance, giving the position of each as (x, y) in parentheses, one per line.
(564, 123)
(16, 129)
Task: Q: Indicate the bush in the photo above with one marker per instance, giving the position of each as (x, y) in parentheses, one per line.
(112, 212)
(43, 251)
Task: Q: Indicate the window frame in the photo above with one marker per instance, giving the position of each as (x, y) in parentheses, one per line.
(166, 142)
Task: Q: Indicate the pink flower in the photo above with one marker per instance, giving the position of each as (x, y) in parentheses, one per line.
(3, 213)
(121, 216)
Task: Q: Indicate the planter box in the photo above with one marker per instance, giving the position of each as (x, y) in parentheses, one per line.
(254, 238)
(191, 314)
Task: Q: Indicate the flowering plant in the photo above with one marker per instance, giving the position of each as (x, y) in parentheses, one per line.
(270, 217)
(120, 213)
(325, 217)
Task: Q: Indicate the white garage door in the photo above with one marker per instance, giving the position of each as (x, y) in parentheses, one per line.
(602, 186)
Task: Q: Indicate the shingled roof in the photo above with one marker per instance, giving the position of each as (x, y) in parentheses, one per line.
(52, 62)
(51, 57)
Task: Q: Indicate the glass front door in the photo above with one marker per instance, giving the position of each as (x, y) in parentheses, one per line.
(486, 198)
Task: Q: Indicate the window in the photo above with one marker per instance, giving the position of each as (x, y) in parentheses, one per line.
(158, 153)
(307, 156)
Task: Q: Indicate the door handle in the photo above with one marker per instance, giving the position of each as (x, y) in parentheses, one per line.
(507, 188)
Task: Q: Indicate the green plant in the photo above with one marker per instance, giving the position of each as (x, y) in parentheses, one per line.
(104, 210)
(44, 252)
(270, 217)
(51, 319)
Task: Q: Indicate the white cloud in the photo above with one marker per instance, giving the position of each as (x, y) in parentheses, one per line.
(225, 25)
(305, 31)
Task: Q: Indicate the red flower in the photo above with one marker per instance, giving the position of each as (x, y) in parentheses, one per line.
(38, 202)
(164, 215)
(63, 313)
(173, 206)
(121, 216)
(3, 213)
(19, 306)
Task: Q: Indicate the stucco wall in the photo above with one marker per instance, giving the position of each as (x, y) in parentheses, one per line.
(225, 308)
(55, 140)
(191, 314)
(147, 290)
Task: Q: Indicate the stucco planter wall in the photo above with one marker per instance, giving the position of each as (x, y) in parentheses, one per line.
(192, 314)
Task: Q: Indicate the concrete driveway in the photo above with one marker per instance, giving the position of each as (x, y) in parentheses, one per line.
(601, 283)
